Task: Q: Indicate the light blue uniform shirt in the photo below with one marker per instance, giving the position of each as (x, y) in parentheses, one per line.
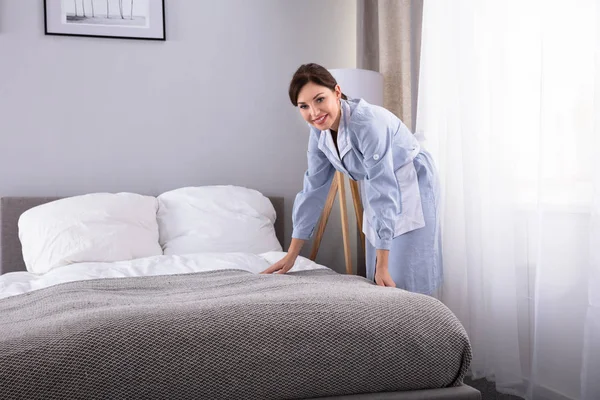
(377, 149)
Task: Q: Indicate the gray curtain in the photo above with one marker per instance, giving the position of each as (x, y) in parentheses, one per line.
(389, 41)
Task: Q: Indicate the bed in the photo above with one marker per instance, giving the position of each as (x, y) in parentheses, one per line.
(206, 325)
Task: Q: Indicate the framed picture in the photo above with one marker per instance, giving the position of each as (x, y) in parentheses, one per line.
(122, 19)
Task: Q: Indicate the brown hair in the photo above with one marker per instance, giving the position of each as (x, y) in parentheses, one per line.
(311, 73)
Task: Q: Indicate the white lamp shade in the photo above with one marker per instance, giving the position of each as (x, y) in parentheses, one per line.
(360, 83)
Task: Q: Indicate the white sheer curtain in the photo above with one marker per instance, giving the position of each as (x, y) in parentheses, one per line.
(509, 105)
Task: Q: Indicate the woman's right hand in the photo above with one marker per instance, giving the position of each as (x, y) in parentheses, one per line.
(282, 266)
(287, 262)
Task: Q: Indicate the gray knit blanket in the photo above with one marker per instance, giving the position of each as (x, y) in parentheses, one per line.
(226, 334)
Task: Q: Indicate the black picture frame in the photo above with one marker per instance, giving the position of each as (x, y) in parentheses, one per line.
(61, 20)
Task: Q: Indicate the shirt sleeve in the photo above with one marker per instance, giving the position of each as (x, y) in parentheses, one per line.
(382, 192)
(309, 203)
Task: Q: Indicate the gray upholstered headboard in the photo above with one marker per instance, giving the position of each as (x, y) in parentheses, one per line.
(11, 208)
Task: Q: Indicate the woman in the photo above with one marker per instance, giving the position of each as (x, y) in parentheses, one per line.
(399, 187)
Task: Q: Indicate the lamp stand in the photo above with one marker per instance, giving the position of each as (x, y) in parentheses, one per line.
(337, 185)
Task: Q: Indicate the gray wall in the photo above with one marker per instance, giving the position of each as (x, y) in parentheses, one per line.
(208, 106)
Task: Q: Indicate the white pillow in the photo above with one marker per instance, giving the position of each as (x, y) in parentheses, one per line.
(216, 219)
(98, 227)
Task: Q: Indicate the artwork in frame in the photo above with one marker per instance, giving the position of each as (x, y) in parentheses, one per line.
(122, 19)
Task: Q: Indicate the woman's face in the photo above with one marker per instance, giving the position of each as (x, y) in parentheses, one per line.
(320, 106)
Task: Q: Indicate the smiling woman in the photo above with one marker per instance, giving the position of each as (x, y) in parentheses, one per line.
(312, 88)
(398, 182)
(325, 111)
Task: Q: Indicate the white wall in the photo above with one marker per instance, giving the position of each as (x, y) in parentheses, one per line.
(208, 106)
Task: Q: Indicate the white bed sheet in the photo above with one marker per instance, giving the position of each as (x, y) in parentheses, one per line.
(15, 283)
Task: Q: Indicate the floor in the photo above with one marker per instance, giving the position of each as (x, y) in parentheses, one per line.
(487, 390)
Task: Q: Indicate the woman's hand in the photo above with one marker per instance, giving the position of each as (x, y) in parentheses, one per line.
(282, 266)
(286, 263)
(382, 275)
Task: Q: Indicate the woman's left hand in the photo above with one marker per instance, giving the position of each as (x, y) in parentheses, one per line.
(383, 277)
